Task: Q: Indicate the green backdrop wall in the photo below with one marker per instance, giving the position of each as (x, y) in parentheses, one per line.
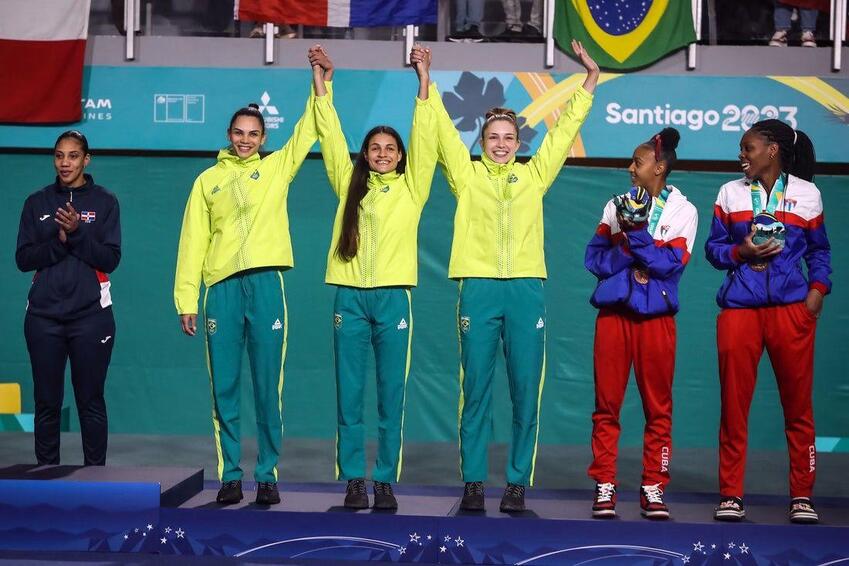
(158, 382)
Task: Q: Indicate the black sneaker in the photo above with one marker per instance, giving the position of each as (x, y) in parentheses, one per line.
(509, 35)
(604, 505)
(730, 509)
(356, 496)
(472, 496)
(513, 499)
(802, 511)
(267, 494)
(471, 35)
(383, 496)
(230, 492)
(651, 503)
(532, 34)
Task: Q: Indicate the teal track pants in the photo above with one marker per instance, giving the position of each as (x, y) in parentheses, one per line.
(247, 307)
(381, 316)
(510, 312)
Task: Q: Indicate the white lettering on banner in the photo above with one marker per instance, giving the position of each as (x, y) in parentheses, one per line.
(269, 112)
(96, 109)
(664, 459)
(736, 119)
(812, 459)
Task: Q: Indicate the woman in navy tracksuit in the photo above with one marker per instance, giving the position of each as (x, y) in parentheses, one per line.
(768, 301)
(638, 263)
(70, 235)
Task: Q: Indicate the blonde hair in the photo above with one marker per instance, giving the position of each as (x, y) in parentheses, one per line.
(498, 113)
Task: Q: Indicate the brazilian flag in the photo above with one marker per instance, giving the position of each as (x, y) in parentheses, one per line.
(624, 34)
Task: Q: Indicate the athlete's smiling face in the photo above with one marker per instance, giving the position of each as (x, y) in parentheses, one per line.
(757, 155)
(246, 136)
(383, 153)
(70, 161)
(500, 140)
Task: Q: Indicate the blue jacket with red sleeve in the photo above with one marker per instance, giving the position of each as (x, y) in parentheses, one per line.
(70, 278)
(782, 281)
(639, 271)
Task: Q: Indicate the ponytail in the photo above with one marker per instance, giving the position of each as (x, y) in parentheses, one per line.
(664, 144)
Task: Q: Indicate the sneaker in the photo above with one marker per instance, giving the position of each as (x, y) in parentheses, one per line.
(230, 492)
(473, 497)
(604, 506)
(513, 499)
(356, 496)
(383, 496)
(532, 34)
(471, 35)
(802, 511)
(510, 34)
(808, 39)
(779, 39)
(651, 503)
(729, 509)
(266, 493)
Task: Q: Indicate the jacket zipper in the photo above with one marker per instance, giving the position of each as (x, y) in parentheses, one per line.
(666, 298)
(728, 288)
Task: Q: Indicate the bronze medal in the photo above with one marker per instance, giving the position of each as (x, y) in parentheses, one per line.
(641, 276)
(757, 266)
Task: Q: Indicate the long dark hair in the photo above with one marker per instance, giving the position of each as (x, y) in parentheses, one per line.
(795, 149)
(663, 144)
(349, 242)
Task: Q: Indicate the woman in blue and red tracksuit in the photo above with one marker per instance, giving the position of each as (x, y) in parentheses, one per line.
(638, 267)
(767, 301)
(70, 235)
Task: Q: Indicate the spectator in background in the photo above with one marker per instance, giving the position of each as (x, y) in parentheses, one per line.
(530, 31)
(808, 13)
(467, 21)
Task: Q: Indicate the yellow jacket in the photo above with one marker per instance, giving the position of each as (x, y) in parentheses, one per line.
(389, 213)
(236, 216)
(498, 225)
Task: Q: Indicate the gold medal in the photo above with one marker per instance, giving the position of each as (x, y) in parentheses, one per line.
(641, 276)
(757, 266)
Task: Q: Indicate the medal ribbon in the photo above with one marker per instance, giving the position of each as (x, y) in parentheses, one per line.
(774, 197)
(657, 209)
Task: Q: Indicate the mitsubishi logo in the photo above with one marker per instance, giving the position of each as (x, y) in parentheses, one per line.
(265, 106)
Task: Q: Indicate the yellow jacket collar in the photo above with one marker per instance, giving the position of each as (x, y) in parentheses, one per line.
(376, 179)
(497, 168)
(228, 158)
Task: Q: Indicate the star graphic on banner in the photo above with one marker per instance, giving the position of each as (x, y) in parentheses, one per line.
(144, 534)
(447, 538)
(163, 540)
(135, 530)
(167, 529)
(443, 548)
(402, 550)
(126, 537)
(415, 537)
(179, 532)
(727, 556)
(713, 547)
(731, 545)
(149, 527)
(429, 537)
(685, 559)
(744, 549)
(459, 541)
(698, 546)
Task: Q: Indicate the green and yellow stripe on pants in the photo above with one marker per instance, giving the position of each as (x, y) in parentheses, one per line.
(382, 318)
(511, 313)
(247, 308)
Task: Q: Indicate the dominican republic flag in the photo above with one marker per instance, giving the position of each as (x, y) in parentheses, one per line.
(339, 13)
(42, 47)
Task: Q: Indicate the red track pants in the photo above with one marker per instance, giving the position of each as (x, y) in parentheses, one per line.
(649, 343)
(788, 332)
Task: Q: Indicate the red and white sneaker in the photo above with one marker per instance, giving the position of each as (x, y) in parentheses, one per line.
(802, 511)
(651, 503)
(604, 505)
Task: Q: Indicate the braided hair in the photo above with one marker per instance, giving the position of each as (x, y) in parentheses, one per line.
(663, 144)
(795, 149)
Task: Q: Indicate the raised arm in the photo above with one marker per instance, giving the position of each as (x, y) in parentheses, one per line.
(452, 152)
(422, 151)
(334, 147)
(554, 149)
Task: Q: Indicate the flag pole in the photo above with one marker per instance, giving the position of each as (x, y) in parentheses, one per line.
(697, 24)
(838, 32)
(549, 33)
(410, 32)
(130, 17)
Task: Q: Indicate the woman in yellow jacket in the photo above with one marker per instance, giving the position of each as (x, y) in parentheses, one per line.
(373, 264)
(497, 256)
(235, 237)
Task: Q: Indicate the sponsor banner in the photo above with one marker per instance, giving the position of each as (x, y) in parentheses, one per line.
(165, 108)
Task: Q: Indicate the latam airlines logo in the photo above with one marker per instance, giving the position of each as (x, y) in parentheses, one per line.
(269, 112)
(96, 109)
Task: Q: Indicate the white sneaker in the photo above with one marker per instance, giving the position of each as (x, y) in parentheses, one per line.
(808, 39)
(779, 39)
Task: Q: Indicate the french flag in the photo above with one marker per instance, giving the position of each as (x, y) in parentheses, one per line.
(339, 13)
(42, 48)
